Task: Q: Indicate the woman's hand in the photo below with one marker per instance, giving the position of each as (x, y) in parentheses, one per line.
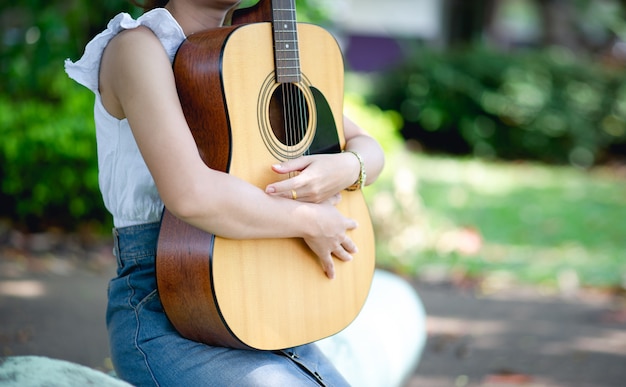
(316, 178)
(319, 179)
(328, 237)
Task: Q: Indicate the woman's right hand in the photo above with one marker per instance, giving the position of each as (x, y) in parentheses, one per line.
(329, 237)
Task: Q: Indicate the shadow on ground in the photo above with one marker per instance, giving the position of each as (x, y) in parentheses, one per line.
(54, 304)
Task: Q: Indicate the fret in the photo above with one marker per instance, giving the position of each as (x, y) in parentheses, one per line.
(292, 68)
(288, 48)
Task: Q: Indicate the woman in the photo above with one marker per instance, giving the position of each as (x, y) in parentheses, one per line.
(148, 159)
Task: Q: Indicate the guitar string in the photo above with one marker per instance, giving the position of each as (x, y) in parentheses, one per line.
(295, 120)
(303, 105)
(287, 53)
(278, 23)
(298, 95)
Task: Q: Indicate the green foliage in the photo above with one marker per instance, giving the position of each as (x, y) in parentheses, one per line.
(502, 223)
(37, 35)
(48, 161)
(523, 222)
(48, 164)
(48, 167)
(543, 105)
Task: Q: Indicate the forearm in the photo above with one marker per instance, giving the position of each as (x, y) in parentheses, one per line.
(232, 208)
(371, 153)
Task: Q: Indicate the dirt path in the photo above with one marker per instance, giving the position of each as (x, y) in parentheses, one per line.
(55, 307)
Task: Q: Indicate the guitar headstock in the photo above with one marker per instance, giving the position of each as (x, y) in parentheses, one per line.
(258, 13)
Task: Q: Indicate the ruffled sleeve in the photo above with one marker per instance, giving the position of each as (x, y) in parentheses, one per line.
(86, 70)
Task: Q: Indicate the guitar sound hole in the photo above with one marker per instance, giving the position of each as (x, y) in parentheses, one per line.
(289, 114)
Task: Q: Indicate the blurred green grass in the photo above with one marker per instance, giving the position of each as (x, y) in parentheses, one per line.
(497, 222)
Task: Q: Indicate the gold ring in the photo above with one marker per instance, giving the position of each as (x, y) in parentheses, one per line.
(294, 195)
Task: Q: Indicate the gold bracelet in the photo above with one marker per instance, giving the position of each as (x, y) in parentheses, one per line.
(360, 182)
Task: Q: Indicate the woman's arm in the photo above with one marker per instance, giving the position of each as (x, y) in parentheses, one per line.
(137, 83)
(315, 184)
(358, 140)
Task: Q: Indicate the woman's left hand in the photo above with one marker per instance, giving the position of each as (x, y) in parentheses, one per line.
(315, 178)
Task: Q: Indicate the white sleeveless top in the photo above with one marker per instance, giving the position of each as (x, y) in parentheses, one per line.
(127, 187)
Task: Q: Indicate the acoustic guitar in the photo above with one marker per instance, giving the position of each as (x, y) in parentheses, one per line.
(263, 90)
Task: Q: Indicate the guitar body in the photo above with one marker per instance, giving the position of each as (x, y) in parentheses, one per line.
(272, 293)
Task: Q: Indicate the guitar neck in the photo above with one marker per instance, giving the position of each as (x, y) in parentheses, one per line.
(286, 50)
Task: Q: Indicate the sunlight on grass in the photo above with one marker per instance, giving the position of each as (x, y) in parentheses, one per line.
(541, 224)
(495, 221)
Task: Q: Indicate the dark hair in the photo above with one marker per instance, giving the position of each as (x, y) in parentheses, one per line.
(149, 4)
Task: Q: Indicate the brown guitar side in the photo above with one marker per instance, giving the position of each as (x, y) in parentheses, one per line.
(182, 267)
(259, 12)
(262, 294)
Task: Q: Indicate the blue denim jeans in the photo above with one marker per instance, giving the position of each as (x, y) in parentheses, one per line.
(147, 351)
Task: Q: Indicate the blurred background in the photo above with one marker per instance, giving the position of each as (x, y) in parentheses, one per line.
(504, 126)
(504, 123)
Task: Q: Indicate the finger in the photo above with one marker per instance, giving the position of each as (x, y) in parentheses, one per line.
(351, 224)
(349, 246)
(291, 194)
(292, 165)
(285, 188)
(342, 254)
(329, 267)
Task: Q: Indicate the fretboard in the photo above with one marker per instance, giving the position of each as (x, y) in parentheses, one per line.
(286, 51)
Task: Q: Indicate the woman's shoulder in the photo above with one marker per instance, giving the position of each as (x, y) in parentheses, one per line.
(164, 27)
(130, 54)
(133, 39)
(157, 24)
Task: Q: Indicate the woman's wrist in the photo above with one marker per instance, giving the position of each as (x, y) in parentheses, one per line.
(360, 181)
